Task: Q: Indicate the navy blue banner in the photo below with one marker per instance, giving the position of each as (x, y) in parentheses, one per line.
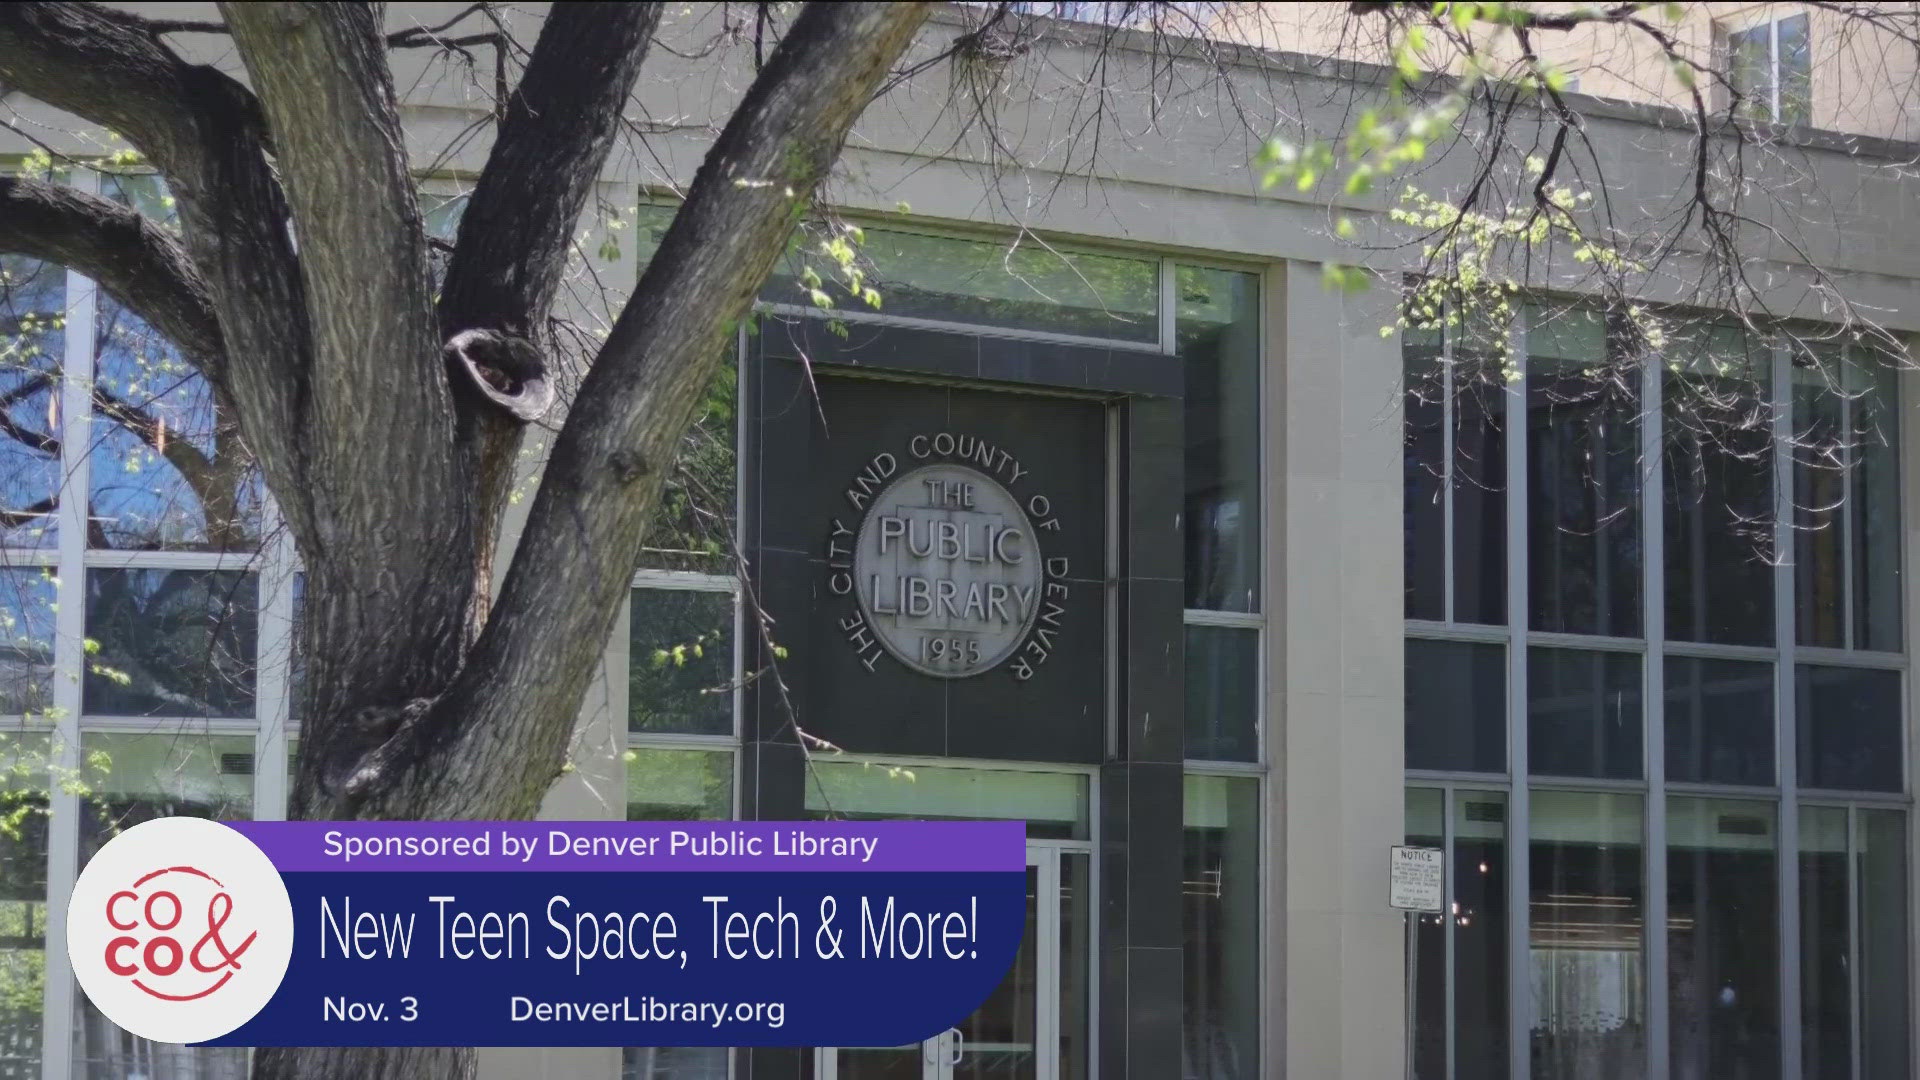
(690, 958)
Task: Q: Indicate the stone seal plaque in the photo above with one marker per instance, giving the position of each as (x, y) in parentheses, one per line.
(947, 570)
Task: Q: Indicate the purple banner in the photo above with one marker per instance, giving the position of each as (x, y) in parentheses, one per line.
(679, 846)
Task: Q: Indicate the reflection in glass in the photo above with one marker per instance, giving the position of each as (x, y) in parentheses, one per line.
(142, 777)
(1885, 950)
(1076, 964)
(1221, 923)
(1719, 721)
(1456, 706)
(1017, 285)
(1718, 472)
(1054, 805)
(1583, 713)
(1223, 687)
(680, 662)
(26, 640)
(1479, 913)
(1476, 412)
(171, 643)
(693, 523)
(1826, 956)
(1423, 462)
(1874, 509)
(679, 785)
(1583, 470)
(1796, 71)
(24, 785)
(33, 318)
(1723, 955)
(1587, 965)
(1000, 1039)
(1218, 330)
(167, 469)
(1846, 498)
(1850, 728)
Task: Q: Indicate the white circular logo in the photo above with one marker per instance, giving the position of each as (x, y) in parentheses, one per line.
(947, 571)
(179, 930)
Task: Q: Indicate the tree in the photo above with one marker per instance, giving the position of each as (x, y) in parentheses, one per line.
(384, 380)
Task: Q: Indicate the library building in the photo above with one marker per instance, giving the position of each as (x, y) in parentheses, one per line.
(1117, 519)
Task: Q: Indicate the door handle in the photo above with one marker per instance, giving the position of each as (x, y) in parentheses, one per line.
(959, 1046)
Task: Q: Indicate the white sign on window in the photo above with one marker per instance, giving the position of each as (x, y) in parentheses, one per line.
(1418, 879)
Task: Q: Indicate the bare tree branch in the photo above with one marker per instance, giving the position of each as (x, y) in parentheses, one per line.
(140, 263)
(604, 478)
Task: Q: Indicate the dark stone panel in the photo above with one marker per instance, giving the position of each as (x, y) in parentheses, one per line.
(1050, 455)
(1153, 705)
(1153, 863)
(1112, 1022)
(783, 581)
(1154, 1012)
(774, 1063)
(1095, 369)
(1129, 371)
(1155, 485)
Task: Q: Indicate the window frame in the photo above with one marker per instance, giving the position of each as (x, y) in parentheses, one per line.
(1784, 795)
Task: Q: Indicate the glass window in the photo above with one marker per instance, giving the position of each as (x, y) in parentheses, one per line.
(1587, 965)
(1478, 909)
(679, 785)
(175, 643)
(1423, 466)
(1874, 509)
(167, 466)
(1885, 949)
(141, 777)
(33, 319)
(680, 662)
(24, 785)
(1849, 728)
(1583, 475)
(1853, 915)
(1019, 285)
(1826, 955)
(26, 640)
(1223, 693)
(1218, 330)
(1723, 955)
(1221, 923)
(1473, 419)
(1719, 721)
(1718, 469)
(1426, 827)
(1846, 500)
(693, 523)
(1583, 713)
(1456, 706)
(1770, 71)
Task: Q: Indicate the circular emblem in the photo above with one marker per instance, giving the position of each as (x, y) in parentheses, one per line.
(179, 930)
(947, 571)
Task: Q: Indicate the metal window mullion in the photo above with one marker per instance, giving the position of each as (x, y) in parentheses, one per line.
(1653, 672)
(1449, 916)
(69, 659)
(1446, 481)
(1849, 480)
(273, 670)
(1786, 732)
(1853, 936)
(1519, 1000)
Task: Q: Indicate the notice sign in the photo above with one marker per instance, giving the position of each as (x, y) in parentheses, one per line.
(549, 933)
(1418, 879)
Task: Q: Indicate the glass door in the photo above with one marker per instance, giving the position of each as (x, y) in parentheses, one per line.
(1017, 1033)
